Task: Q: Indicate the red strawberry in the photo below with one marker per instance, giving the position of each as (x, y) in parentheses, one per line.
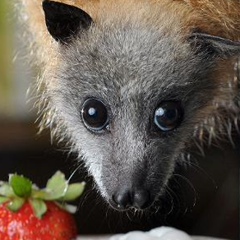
(27, 213)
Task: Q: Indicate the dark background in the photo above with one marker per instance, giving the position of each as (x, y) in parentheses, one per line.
(204, 200)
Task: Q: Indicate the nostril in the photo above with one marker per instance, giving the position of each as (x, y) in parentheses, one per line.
(122, 199)
(141, 199)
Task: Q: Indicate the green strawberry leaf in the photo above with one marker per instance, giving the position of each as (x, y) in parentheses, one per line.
(70, 208)
(56, 186)
(6, 190)
(21, 186)
(40, 194)
(3, 200)
(15, 204)
(73, 191)
(39, 207)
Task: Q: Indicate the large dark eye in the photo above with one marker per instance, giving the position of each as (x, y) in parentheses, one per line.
(94, 115)
(168, 115)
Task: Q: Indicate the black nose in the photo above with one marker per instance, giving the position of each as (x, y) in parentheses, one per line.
(126, 198)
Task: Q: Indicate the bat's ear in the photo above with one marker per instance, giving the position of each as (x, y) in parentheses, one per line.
(215, 46)
(64, 21)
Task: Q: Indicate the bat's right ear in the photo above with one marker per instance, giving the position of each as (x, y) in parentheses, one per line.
(64, 21)
(215, 46)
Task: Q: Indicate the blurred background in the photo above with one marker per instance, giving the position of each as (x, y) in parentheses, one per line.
(204, 201)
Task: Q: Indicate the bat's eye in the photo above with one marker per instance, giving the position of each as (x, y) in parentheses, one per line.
(94, 114)
(168, 115)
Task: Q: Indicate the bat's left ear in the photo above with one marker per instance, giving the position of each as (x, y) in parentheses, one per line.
(215, 46)
(64, 21)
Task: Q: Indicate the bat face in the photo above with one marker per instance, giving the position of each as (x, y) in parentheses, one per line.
(130, 97)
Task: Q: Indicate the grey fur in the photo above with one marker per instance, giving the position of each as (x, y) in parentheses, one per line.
(132, 68)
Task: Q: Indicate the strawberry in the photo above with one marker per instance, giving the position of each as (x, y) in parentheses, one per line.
(30, 213)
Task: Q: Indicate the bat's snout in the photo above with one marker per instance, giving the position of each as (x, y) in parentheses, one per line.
(126, 198)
